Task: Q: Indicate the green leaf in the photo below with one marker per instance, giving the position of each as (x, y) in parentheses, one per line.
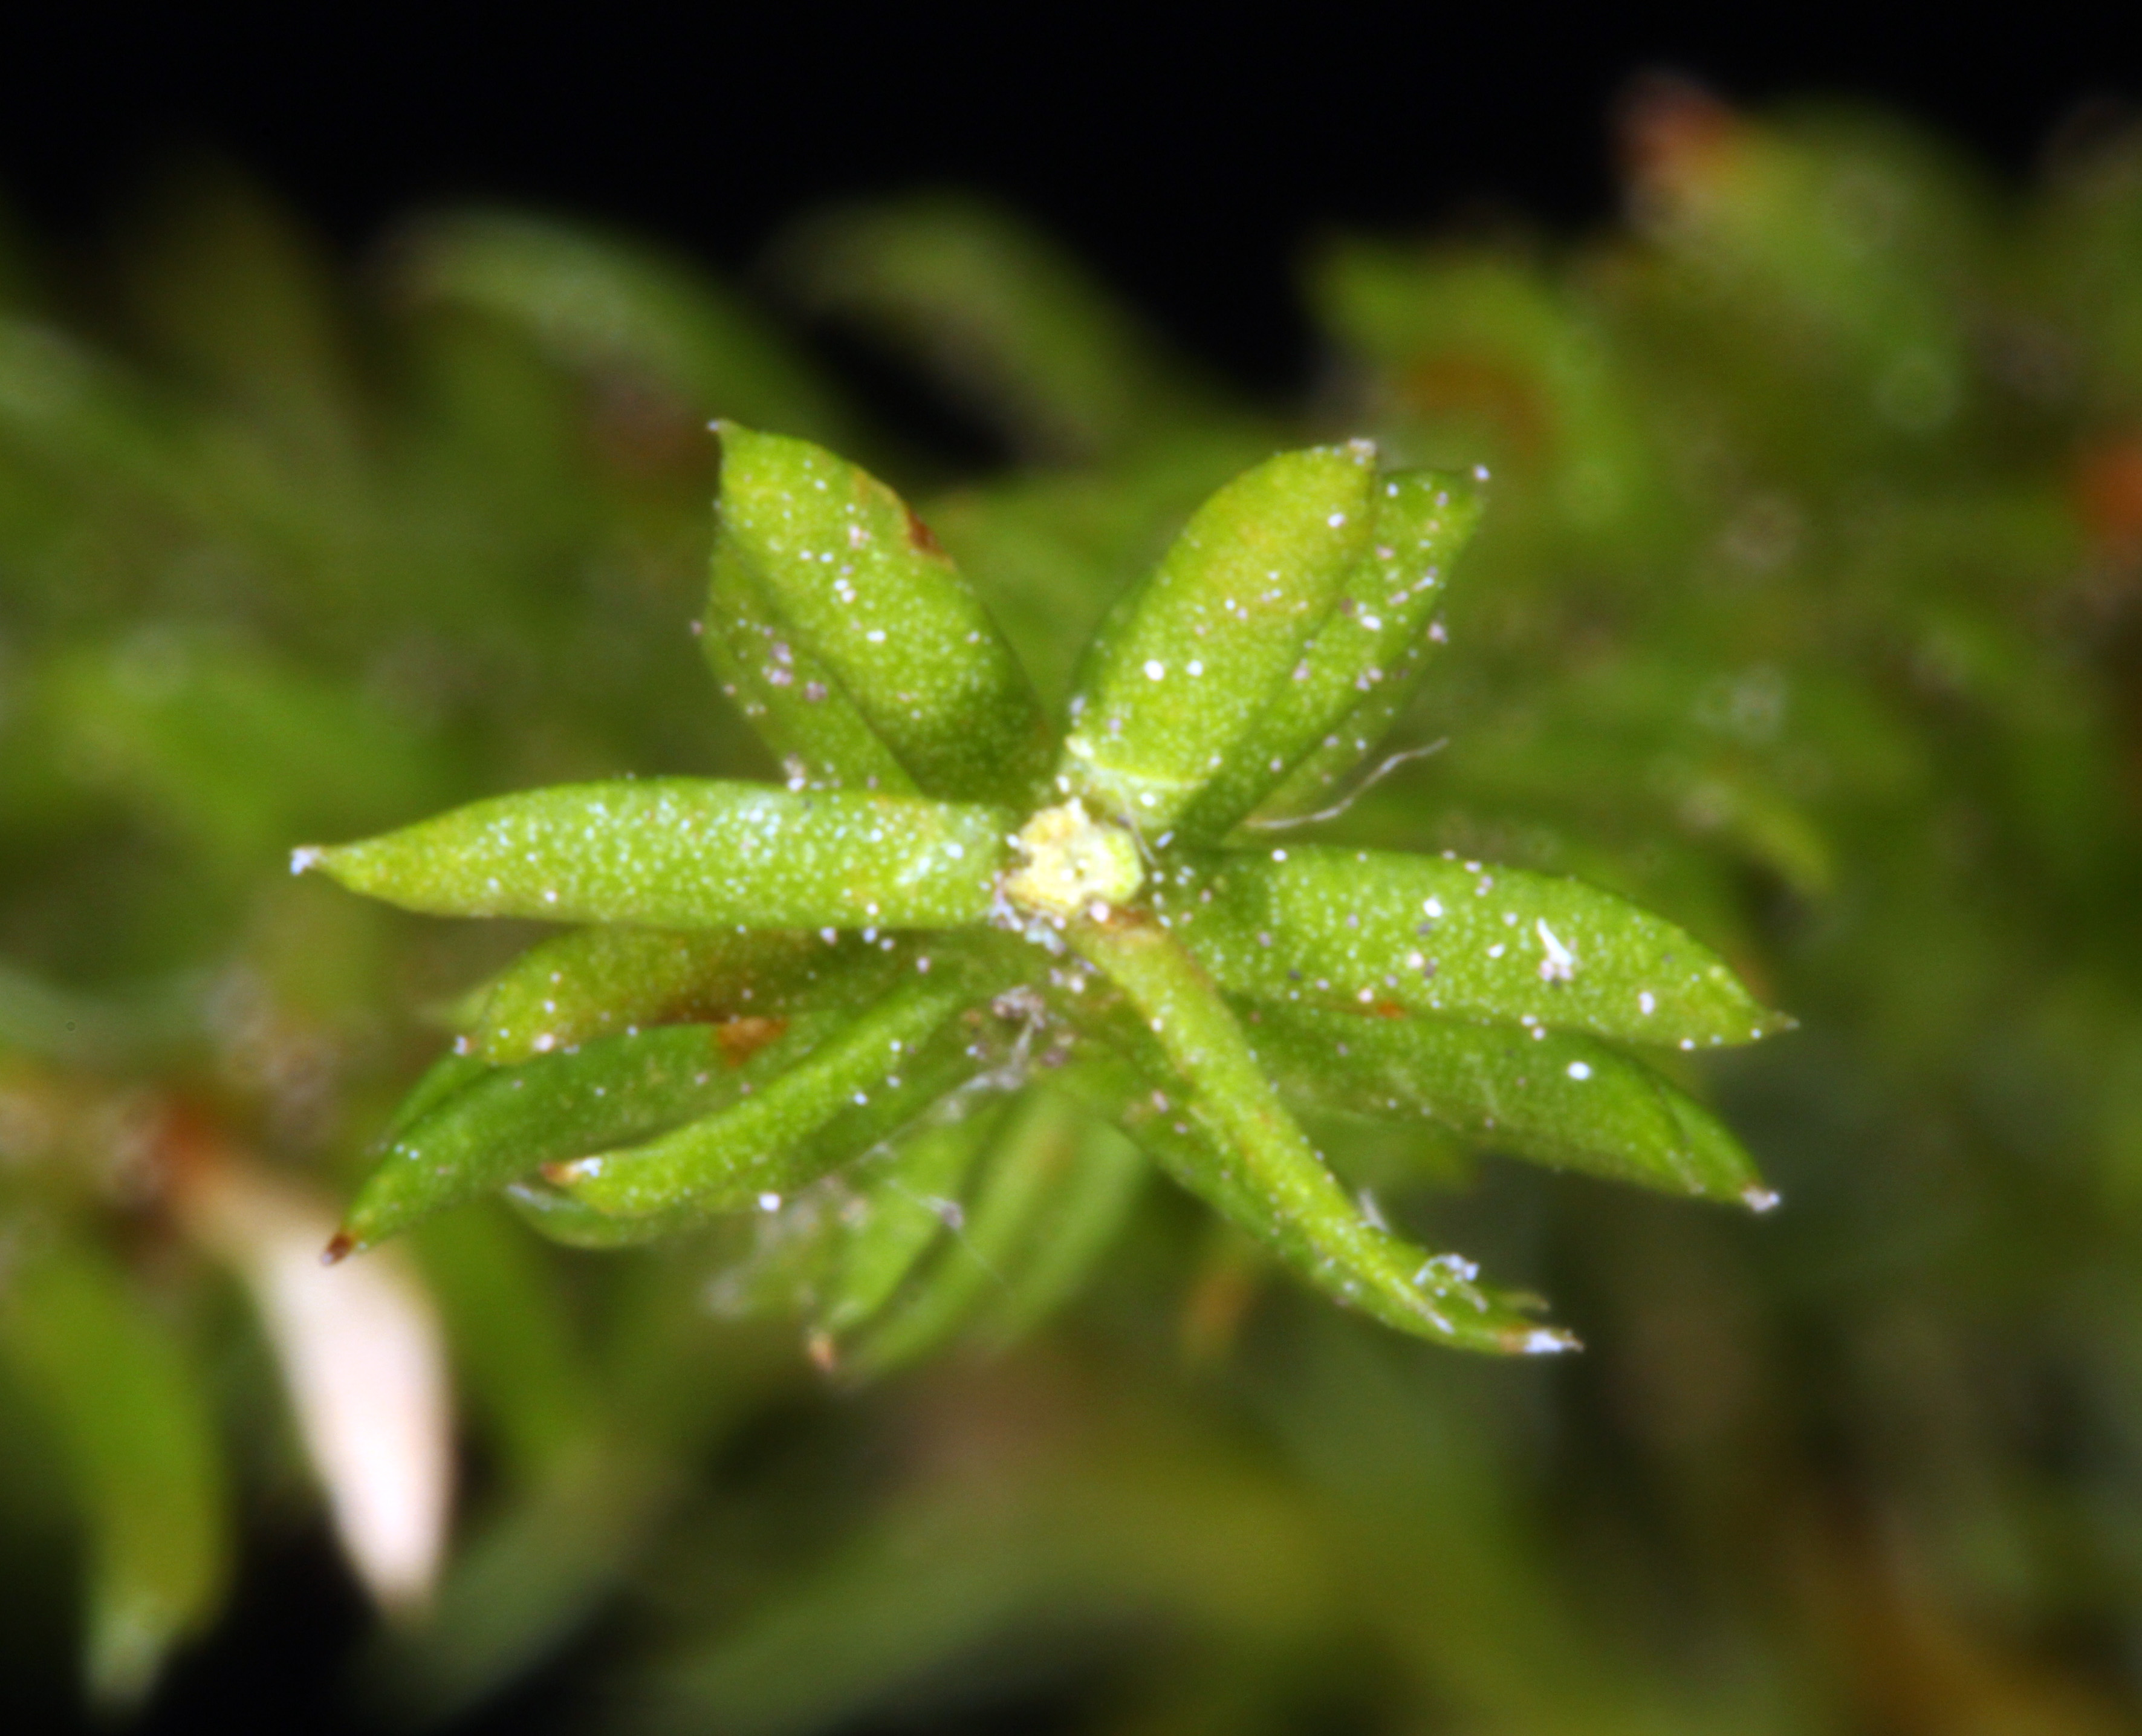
(517, 1352)
(557, 1216)
(1184, 669)
(687, 852)
(1088, 1208)
(775, 1141)
(905, 1203)
(860, 587)
(142, 1030)
(529, 1575)
(78, 415)
(233, 296)
(447, 1078)
(975, 1055)
(1004, 1225)
(1198, 1100)
(999, 314)
(1489, 361)
(612, 1091)
(793, 700)
(234, 750)
(1362, 929)
(119, 1392)
(1558, 1099)
(1364, 664)
(600, 981)
(1052, 547)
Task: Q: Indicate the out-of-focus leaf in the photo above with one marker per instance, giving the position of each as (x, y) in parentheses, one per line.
(518, 1359)
(526, 1582)
(1078, 1225)
(1023, 1174)
(999, 312)
(80, 415)
(1460, 1575)
(37, 1018)
(605, 304)
(1483, 360)
(1119, 1515)
(904, 1203)
(234, 748)
(1848, 233)
(122, 1396)
(238, 300)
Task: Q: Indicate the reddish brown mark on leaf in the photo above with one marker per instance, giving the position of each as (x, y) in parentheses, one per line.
(921, 536)
(1479, 389)
(642, 428)
(2108, 492)
(1676, 138)
(740, 1038)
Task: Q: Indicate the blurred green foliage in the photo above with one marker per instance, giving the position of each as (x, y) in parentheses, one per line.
(1804, 611)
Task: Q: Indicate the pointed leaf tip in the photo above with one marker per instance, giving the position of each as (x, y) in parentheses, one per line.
(1198, 1098)
(1561, 1099)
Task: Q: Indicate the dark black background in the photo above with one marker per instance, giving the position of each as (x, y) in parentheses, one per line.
(1188, 154)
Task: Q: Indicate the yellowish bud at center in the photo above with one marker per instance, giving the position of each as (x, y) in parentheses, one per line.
(1070, 862)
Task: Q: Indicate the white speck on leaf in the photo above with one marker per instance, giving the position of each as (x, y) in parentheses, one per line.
(1560, 964)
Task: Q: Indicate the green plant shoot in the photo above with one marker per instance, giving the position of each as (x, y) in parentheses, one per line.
(837, 983)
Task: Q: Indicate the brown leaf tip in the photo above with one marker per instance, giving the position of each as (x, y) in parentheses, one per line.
(921, 537)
